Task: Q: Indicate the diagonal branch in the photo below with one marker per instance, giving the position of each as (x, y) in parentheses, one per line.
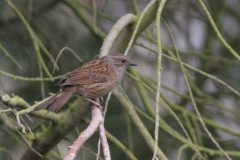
(47, 139)
(86, 134)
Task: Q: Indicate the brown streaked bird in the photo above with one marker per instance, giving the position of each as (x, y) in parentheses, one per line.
(93, 79)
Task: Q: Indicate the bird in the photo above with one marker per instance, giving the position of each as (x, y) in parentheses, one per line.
(91, 80)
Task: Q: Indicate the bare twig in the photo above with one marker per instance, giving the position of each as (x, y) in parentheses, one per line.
(105, 146)
(8, 55)
(104, 113)
(195, 105)
(60, 53)
(28, 127)
(126, 103)
(35, 151)
(159, 62)
(137, 26)
(98, 153)
(114, 32)
(88, 132)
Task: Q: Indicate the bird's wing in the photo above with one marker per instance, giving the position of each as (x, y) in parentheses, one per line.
(92, 72)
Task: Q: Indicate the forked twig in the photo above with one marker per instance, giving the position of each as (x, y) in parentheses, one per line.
(87, 133)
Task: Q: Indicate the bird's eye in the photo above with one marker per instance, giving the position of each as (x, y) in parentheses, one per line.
(123, 60)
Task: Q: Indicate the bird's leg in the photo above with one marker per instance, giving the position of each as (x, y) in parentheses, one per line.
(97, 104)
(101, 99)
(92, 101)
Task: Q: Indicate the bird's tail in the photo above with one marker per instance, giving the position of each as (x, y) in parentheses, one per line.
(47, 102)
(57, 104)
(60, 101)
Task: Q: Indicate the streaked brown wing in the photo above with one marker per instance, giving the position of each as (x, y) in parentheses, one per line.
(91, 72)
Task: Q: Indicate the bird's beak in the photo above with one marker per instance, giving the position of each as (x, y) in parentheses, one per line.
(133, 64)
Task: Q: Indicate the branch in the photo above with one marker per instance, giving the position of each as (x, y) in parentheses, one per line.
(86, 134)
(16, 101)
(124, 38)
(104, 141)
(37, 79)
(137, 121)
(118, 27)
(81, 15)
(114, 140)
(235, 54)
(47, 139)
(159, 62)
(35, 39)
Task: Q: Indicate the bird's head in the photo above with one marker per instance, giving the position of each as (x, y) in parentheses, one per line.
(121, 62)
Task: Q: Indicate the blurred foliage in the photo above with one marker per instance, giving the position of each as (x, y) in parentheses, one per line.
(57, 26)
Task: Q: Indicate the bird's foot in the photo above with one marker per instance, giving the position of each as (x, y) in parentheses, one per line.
(97, 104)
(100, 107)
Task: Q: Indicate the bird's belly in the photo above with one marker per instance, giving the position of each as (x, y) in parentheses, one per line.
(95, 90)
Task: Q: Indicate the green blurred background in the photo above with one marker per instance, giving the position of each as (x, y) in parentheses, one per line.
(57, 26)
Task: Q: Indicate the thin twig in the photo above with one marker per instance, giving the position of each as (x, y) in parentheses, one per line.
(114, 32)
(60, 53)
(27, 126)
(98, 153)
(105, 146)
(37, 79)
(159, 62)
(194, 103)
(235, 54)
(126, 103)
(193, 68)
(137, 26)
(8, 55)
(176, 50)
(29, 145)
(94, 16)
